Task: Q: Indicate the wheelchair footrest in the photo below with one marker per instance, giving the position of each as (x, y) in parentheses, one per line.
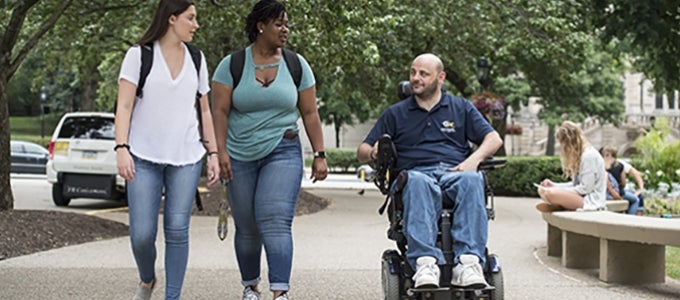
(449, 289)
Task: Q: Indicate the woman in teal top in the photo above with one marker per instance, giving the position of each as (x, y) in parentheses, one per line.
(262, 160)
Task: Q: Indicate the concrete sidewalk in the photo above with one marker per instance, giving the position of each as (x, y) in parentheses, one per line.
(337, 256)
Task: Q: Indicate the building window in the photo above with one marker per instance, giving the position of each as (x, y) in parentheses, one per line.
(671, 100)
(659, 101)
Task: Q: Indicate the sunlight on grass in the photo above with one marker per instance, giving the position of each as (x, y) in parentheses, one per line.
(673, 262)
(28, 128)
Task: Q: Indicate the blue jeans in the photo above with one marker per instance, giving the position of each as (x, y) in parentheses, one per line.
(422, 197)
(262, 197)
(144, 200)
(634, 203)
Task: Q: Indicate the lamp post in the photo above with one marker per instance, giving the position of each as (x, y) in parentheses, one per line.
(43, 99)
(482, 73)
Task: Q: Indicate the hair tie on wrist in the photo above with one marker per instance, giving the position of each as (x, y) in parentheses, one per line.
(126, 146)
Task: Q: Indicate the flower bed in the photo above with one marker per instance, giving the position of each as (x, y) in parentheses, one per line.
(664, 201)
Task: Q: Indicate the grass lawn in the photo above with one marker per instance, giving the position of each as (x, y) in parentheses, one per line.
(28, 128)
(673, 262)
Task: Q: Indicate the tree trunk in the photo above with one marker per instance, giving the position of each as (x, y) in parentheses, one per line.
(6, 197)
(550, 143)
(337, 134)
(88, 89)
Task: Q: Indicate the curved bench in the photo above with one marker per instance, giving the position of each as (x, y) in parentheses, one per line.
(617, 205)
(626, 248)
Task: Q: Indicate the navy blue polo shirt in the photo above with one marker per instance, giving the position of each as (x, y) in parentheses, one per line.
(429, 137)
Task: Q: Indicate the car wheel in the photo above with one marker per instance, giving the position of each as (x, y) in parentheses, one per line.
(58, 195)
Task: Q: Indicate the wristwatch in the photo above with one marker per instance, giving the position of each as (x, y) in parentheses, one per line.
(320, 154)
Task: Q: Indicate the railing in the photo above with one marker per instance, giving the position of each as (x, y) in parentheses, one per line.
(645, 120)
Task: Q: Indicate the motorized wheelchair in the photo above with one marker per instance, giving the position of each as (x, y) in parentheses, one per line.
(396, 271)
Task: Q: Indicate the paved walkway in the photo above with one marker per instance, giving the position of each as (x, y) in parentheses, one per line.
(337, 256)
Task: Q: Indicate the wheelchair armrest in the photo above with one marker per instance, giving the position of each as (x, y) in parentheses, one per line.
(384, 161)
(491, 163)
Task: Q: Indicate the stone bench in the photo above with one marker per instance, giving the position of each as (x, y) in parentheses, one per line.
(617, 205)
(626, 248)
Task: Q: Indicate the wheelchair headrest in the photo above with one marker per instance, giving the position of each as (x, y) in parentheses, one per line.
(404, 90)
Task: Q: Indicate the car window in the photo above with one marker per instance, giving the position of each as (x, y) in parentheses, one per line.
(96, 128)
(34, 149)
(16, 148)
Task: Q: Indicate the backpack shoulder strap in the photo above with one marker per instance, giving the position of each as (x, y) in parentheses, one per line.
(293, 64)
(238, 59)
(195, 57)
(147, 61)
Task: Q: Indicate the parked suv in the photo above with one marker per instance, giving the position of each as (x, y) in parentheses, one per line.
(82, 162)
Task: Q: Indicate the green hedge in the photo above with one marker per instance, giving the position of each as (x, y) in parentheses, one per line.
(514, 179)
(517, 176)
(342, 160)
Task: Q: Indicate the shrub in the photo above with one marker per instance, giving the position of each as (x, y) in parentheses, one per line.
(659, 159)
(341, 160)
(516, 178)
(664, 200)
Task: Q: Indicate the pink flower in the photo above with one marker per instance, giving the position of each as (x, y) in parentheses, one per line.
(490, 105)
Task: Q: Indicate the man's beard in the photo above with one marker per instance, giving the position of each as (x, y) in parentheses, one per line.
(428, 91)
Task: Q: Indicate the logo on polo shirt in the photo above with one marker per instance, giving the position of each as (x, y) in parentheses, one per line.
(448, 127)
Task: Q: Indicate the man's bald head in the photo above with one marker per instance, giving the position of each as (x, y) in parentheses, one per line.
(430, 60)
(427, 76)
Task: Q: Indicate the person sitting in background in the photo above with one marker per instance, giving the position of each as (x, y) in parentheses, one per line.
(612, 188)
(618, 170)
(630, 170)
(581, 162)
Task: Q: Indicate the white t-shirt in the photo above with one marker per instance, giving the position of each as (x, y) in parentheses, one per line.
(164, 125)
(626, 166)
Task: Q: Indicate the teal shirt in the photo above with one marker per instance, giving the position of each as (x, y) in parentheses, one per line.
(260, 115)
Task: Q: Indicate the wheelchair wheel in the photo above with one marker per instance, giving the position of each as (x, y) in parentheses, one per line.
(494, 276)
(496, 280)
(390, 282)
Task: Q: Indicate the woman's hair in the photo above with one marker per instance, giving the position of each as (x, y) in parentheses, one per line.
(572, 142)
(159, 25)
(263, 11)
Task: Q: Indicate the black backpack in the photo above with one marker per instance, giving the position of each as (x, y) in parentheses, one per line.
(292, 62)
(145, 69)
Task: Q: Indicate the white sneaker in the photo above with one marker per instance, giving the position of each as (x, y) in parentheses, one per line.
(427, 272)
(144, 292)
(250, 294)
(283, 296)
(468, 273)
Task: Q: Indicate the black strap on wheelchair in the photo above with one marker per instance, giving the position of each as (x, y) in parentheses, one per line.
(381, 210)
(401, 182)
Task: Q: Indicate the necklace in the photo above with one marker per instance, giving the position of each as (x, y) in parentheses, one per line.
(267, 66)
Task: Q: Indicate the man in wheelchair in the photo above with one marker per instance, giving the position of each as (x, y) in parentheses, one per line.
(431, 131)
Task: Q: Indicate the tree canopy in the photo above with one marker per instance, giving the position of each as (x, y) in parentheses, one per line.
(567, 53)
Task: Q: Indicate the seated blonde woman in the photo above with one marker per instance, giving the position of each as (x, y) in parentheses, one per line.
(584, 165)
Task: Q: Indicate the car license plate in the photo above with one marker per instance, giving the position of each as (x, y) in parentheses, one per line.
(89, 155)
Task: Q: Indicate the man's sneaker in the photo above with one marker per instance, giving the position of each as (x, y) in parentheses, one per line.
(427, 272)
(468, 273)
(144, 292)
(250, 294)
(283, 296)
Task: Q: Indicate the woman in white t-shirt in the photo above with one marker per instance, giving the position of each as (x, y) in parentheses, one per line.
(158, 144)
(585, 166)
